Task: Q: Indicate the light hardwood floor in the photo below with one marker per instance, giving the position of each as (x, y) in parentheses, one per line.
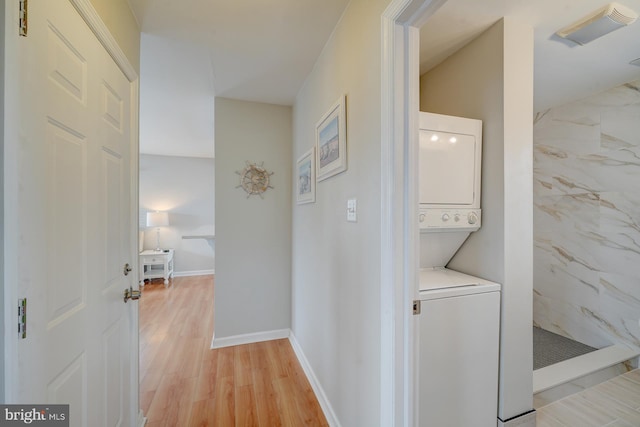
(185, 383)
(614, 403)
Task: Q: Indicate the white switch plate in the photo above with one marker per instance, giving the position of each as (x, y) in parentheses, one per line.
(352, 210)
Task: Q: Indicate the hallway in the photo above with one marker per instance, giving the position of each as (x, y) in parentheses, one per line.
(185, 383)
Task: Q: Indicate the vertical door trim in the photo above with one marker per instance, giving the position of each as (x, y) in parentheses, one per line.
(134, 222)
(3, 299)
(399, 257)
(11, 218)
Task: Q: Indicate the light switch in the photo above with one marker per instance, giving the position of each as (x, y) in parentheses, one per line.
(352, 210)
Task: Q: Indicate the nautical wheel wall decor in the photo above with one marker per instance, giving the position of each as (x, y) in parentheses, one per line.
(254, 179)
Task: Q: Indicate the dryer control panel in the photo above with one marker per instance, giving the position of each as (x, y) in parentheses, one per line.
(447, 219)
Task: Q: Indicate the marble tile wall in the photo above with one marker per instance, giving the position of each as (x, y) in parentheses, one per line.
(587, 218)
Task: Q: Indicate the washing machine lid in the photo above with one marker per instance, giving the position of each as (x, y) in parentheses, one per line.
(444, 278)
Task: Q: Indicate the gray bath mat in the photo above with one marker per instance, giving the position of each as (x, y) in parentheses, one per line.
(550, 348)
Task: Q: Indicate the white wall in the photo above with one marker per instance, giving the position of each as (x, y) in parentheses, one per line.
(492, 79)
(336, 276)
(184, 187)
(177, 146)
(253, 235)
(176, 98)
(586, 224)
(119, 18)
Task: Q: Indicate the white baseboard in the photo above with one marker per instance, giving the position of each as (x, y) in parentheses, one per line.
(193, 273)
(524, 420)
(304, 363)
(569, 370)
(327, 409)
(249, 338)
(142, 420)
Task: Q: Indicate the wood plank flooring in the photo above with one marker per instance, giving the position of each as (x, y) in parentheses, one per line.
(614, 403)
(185, 383)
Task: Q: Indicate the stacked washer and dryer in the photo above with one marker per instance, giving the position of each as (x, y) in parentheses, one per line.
(459, 314)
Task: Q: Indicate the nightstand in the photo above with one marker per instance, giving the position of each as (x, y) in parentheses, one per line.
(156, 264)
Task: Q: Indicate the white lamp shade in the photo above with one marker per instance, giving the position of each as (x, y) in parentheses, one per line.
(157, 219)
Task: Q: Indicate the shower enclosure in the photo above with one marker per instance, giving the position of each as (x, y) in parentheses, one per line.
(587, 228)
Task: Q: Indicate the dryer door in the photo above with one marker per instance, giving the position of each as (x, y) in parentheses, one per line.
(447, 168)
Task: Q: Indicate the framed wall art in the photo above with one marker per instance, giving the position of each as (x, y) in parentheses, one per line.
(254, 179)
(306, 178)
(331, 141)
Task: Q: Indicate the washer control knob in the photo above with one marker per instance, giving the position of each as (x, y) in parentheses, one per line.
(445, 217)
(422, 217)
(472, 218)
(456, 217)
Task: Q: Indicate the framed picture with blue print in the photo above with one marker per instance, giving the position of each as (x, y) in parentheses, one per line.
(331, 141)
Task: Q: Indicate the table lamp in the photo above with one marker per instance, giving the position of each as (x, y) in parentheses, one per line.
(157, 219)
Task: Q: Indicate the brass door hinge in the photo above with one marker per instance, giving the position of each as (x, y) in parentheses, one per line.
(22, 318)
(24, 18)
(417, 307)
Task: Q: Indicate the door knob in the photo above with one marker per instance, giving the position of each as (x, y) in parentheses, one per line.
(127, 269)
(132, 294)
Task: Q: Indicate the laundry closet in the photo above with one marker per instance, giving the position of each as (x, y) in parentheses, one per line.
(459, 314)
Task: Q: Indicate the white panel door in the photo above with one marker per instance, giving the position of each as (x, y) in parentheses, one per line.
(74, 210)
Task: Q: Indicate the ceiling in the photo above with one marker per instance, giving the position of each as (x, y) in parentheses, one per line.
(563, 71)
(262, 50)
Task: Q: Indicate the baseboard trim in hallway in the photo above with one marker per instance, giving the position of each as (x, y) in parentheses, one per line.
(327, 409)
(185, 383)
(249, 338)
(193, 273)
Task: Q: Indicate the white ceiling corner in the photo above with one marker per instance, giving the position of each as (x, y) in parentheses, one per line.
(563, 71)
(262, 51)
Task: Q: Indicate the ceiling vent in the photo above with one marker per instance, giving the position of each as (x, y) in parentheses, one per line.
(597, 24)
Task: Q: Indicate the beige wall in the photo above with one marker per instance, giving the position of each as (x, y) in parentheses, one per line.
(336, 273)
(253, 235)
(119, 18)
(492, 79)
